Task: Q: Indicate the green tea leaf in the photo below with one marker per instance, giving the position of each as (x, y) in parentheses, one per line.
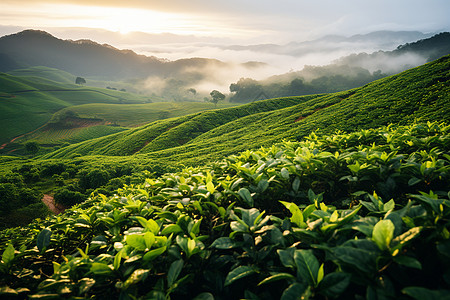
(43, 239)
(382, 234)
(420, 293)
(408, 261)
(294, 292)
(246, 196)
(287, 257)
(204, 296)
(136, 241)
(297, 216)
(307, 266)
(334, 284)
(174, 271)
(135, 277)
(8, 254)
(149, 239)
(171, 228)
(100, 268)
(277, 277)
(223, 243)
(238, 273)
(152, 254)
(210, 187)
(320, 274)
(191, 247)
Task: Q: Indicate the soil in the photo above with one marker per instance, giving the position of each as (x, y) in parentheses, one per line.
(50, 202)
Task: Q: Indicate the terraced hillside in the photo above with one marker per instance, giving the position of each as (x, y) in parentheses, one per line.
(422, 93)
(28, 102)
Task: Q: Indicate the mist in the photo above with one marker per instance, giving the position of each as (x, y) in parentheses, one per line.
(309, 60)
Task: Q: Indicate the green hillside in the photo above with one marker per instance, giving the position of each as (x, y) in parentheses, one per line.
(139, 114)
(421, 93)
(28, 101)
(45, 72)
(342, 216)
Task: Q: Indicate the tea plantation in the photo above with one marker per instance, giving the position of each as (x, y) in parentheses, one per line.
(313, 197)
(345, 216)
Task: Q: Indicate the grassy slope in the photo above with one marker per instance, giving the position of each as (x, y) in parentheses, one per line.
(28, 102)
(139, 114)
(45, 72)
(169, 133)
(421, 93)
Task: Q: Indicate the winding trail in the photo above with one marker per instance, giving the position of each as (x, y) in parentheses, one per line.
(50, 202)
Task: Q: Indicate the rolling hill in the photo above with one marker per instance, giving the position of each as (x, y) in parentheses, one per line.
(421, 93)
(28, 100)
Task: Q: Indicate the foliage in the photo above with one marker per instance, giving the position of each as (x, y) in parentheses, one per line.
(364, 214)
(80, 80)
(32, 147)
(216, 96)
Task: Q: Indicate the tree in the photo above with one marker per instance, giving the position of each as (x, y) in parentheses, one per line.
(32, 147)
(216, 96)
(80, 80)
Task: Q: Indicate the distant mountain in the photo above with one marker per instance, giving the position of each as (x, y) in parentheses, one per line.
(378, 40)
(345, 73)
(403, 57)
(88, 58)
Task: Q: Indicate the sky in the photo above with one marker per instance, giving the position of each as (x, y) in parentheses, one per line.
(252, 21)
(174, 29)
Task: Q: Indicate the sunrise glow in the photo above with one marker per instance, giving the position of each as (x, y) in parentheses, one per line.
(118, 19)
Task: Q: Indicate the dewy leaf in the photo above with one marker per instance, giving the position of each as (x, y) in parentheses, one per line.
(238, 273)
(8, 254)
(307, 266)
(383, 233)
(43, 239)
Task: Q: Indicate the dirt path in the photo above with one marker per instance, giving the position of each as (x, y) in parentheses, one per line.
(50, 202)
(20, 136)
